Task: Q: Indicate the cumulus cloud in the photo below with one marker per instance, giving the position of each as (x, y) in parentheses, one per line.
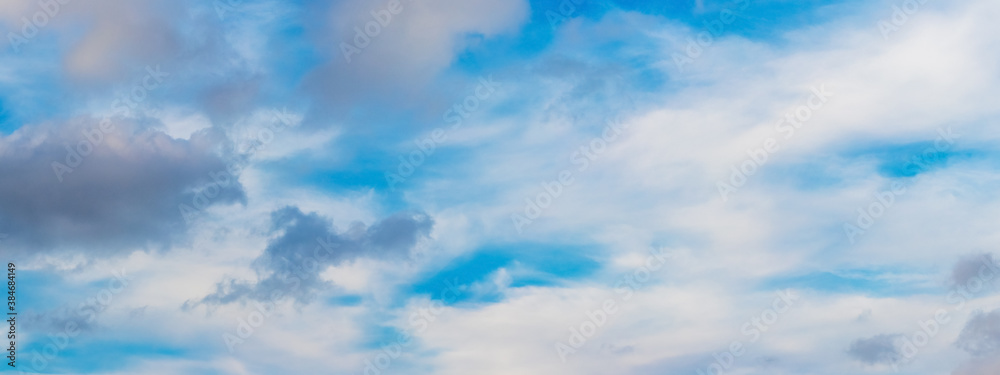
(409, 52)
(75, 187)
(292, 263)
(122, 33)
(104, 37)
(879, 349)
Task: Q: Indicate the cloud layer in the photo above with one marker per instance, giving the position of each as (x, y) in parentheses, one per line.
(331, 185)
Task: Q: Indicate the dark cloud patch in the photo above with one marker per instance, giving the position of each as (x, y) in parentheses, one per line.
(981, 335)
(72, 187)
(879, 349)
(291, 264)
(974, 270)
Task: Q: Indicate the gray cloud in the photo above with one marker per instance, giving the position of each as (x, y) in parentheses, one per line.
(123, 33)
(123, 195)
(428, 36)
(981, 335)
(106, 45)
(291, 264)
(971, 268)
(879, 349)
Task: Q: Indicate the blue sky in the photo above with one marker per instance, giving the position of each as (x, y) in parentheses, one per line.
(501, 186)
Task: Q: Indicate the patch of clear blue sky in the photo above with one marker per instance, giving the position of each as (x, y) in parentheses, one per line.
(7, 124)
(529, 264)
